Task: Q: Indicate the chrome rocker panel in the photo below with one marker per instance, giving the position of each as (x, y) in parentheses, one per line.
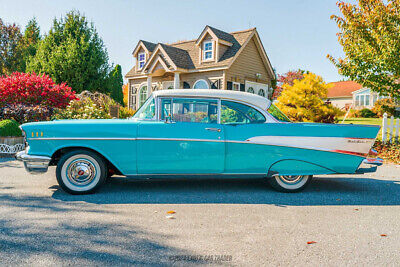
(34, 164)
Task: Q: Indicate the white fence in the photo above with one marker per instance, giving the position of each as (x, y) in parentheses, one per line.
(390, 129)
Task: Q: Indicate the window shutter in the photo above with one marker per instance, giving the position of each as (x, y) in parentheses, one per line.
(215, 85)
(242, 87)
(229, 85)
(186, 85)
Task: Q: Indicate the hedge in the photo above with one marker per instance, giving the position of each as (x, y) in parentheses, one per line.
(10, 128)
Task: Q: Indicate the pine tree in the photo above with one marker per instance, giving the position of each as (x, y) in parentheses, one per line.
(115, 84)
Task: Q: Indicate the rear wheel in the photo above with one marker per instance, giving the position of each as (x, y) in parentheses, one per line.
(290, 183)
(81, 172)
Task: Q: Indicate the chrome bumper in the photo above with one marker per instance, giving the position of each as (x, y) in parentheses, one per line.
(34, 164)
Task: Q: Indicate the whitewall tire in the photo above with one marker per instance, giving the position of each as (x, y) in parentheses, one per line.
(81, 172)
(289, 183)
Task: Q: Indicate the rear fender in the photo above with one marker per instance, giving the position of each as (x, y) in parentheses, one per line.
(297, 167)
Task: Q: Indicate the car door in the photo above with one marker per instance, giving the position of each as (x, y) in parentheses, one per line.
(241, 124)
(186, 139)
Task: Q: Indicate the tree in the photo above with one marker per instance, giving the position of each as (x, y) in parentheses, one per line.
(287, 78)
(370, 37)
(125, 92)
(10, 48)
(73, 52)
(30, 41)
(115, 84)
(302, 101)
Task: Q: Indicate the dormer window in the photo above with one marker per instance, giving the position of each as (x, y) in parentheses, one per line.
(141, 60)
(207, 50)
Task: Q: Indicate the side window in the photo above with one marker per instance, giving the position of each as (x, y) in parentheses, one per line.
(147, 111)
(236, 113)
(190, 110)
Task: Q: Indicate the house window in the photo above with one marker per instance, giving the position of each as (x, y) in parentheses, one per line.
(367, 100)
(261, 92)
(142, 95)
(250, 90)
(208, 50)
(201, 84)
(374, 98)
(141, 60)
(357, 100)
(235, 86)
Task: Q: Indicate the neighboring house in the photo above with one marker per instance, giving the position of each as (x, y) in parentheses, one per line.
(346, 94)
(215, 60)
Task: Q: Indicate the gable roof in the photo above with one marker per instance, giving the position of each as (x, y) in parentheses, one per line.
(185, 54)
(343, 89)
(150, 46)
(180, 57)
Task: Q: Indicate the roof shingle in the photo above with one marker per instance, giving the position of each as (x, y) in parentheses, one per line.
(343, 89)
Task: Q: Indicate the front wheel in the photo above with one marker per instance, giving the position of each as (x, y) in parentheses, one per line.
(81, 172)
(289, 183)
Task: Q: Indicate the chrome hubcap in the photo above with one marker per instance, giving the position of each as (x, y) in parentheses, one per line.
(81, 172)
(290, 179)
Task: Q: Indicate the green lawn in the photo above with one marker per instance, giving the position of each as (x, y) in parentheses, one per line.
(372, 121)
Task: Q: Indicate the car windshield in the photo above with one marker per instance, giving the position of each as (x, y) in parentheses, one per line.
(277, 114)
(147, 111)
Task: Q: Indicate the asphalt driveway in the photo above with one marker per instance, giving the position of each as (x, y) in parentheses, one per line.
(351, 219)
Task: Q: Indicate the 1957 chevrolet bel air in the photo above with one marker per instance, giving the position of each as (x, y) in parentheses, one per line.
(198, 133)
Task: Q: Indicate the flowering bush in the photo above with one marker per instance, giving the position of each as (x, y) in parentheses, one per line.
(82, 109)
(125, 112)
(32, 89)
(25, 113)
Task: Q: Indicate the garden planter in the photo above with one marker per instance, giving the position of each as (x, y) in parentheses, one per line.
(11, 145)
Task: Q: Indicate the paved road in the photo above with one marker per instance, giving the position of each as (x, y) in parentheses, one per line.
(125, 223)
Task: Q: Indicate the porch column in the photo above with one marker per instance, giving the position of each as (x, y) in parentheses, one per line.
(148, 86)
(176, 80)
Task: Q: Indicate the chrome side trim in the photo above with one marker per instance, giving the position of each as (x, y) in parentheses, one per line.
(33, 164)
(252, 141)
(82, 138)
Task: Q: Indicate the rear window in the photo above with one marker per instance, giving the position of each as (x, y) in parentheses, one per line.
(277, 114)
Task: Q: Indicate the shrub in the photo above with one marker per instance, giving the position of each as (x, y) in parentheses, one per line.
(81, 109)
(384, 105)
(23, 113)
(302, 100)
(10, 128)
(125, 112)
(31, 89)
(366, 113)
(390, 152)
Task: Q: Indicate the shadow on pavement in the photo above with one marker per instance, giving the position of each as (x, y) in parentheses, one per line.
(322, 191)
(10, 163)
(56, 237)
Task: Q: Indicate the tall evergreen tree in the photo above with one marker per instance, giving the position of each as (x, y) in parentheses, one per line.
(115, 84)
(73, 52)
(30, 40)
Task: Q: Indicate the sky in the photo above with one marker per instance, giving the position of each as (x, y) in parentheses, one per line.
(297, 34)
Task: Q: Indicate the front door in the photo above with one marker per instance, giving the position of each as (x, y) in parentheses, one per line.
(186, 140)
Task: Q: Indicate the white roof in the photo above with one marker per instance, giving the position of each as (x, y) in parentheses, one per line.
(256, 100)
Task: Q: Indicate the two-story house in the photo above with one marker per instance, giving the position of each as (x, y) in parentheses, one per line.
(215, 60)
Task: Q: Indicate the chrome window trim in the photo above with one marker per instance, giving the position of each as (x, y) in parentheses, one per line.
(268, 117)
(186, 97)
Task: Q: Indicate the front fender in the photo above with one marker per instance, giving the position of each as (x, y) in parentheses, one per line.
(297, 167)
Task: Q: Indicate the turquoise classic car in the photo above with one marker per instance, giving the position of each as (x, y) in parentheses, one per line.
(193, 133)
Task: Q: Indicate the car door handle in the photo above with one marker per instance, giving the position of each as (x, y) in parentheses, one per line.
(213, 129)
